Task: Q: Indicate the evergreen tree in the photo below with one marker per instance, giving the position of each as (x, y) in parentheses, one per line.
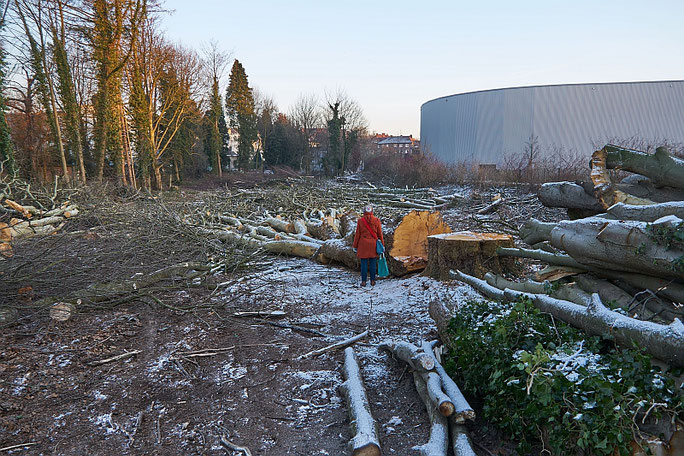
(7, 160)
(216, 130)
(240, 107)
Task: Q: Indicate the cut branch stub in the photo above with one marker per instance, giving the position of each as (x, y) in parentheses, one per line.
(469, 251)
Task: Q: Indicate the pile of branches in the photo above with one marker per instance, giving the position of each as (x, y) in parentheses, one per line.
(125, 246)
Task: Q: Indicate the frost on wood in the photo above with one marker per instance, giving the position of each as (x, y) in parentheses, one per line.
(462, 410)
(410, 354)
(665, 342)
(647, 213)
(438, 443)
(460, 443)
(568, 195)
(365, 441)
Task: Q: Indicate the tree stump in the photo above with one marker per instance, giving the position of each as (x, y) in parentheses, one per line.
(467, 251)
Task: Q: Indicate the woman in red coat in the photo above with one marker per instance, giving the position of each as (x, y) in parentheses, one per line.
(368, 231)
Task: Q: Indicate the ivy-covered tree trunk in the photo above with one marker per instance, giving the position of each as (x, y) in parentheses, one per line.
(7, 160)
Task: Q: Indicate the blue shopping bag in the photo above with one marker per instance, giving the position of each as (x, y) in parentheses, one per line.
(383, 270)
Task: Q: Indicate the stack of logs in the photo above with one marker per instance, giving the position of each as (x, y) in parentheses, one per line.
(447, 409)
(28, 221)
(616, 269)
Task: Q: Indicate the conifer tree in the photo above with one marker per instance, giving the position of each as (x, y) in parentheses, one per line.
(240, 107)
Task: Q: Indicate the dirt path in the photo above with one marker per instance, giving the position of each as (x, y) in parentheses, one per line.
(255, 393)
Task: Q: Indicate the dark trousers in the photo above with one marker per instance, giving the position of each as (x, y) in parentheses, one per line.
(367, 263)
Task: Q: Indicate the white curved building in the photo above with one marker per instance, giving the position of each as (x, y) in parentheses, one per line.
(484, 126)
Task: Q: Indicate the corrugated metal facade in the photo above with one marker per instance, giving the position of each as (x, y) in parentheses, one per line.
(483, 127)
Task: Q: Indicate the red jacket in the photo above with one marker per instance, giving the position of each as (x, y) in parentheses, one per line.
(364, 241)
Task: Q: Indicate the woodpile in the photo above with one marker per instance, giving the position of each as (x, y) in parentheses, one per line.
(27, 221)
(628, 251)
(327, 236)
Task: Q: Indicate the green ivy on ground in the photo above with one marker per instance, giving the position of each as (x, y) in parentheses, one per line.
(546, 383)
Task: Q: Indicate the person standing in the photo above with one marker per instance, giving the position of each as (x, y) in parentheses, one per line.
(368, 232)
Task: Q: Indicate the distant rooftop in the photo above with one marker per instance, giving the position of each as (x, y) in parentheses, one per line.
(397, 140)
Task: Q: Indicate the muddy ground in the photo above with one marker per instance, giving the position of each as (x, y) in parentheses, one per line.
(255, 392)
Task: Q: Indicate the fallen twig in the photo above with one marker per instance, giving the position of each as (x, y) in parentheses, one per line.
(115, 358)
(231, 446)
(14, 447)
(342, 344)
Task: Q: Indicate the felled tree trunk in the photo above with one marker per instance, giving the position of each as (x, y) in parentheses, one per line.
(407, 245)
(472, 252)
(365, 440)
(665, 342)
(570, 196)
(661, 167)
(647, 213)
(642, 187)
(292, 248)
(615, 245)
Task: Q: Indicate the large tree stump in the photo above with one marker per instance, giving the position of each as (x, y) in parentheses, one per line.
(407, 246)
(467, 251)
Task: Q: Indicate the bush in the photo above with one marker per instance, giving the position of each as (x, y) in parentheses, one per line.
(544, 382)
(412, 170)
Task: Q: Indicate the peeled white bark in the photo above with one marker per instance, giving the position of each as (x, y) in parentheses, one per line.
(365, 441)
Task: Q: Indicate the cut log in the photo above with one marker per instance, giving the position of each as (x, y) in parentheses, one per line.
(439, 399)
(460, 443)
(293, 248)
(438, 443)
(365, 440)
(348, 223)
(462, 410)
(568, 195)
(5, 232)
(666, 288)
(606, 290)
(665, 342)
(407, 247)
(648, 213)
(280, 225)
(410, 354)
(661, 167)
(321, 229)
(529, 286)
(473, 252)
(337, 250)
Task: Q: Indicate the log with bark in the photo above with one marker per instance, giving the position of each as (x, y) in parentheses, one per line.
(462, 410)
(365, 440)
(414, 356)
(569, 195)
(474, 252)
(661, 167)
(438, 443)
(615, 245)
(665, 342)
(646, 213)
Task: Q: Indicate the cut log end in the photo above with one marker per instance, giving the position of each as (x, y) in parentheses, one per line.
(369, 450)
(446, 408)
(409, 242)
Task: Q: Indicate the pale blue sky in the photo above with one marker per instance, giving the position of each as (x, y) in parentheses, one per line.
(392, 56)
